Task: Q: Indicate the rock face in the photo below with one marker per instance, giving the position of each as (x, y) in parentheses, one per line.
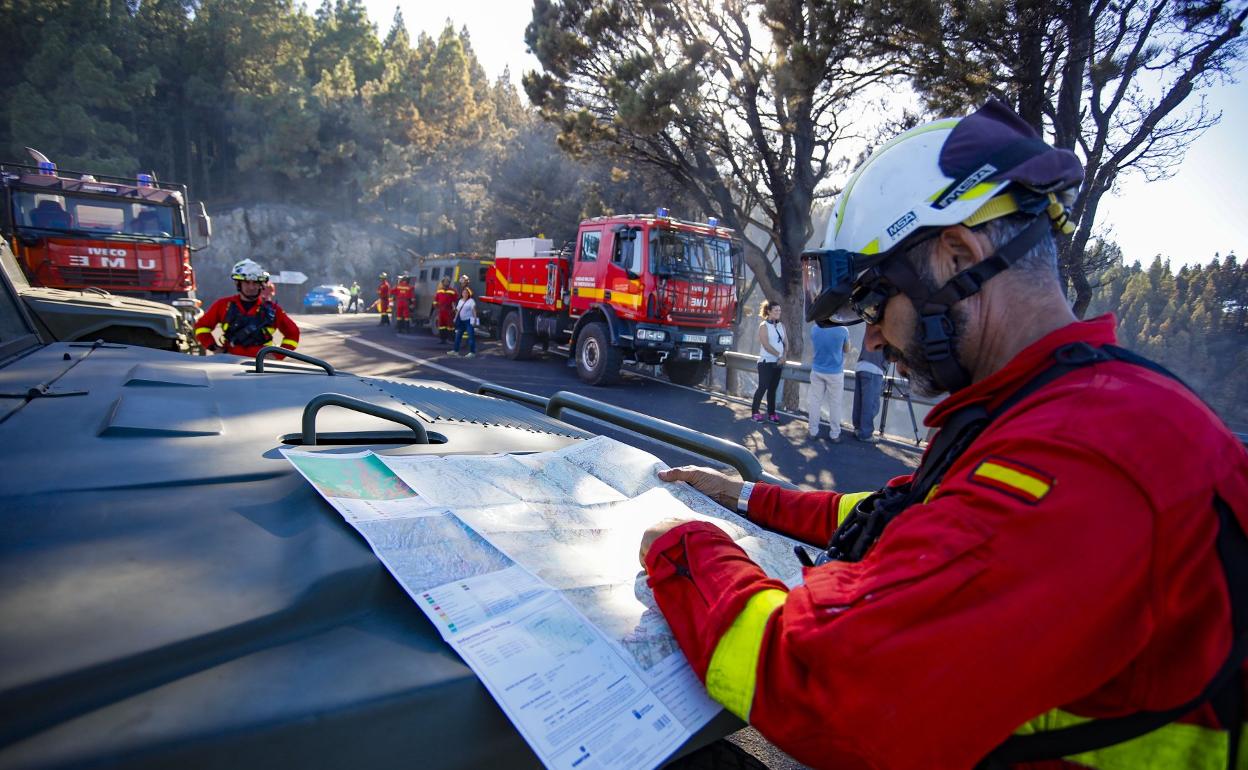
(313, 242)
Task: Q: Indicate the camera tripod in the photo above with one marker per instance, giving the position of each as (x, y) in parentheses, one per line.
(902, 388)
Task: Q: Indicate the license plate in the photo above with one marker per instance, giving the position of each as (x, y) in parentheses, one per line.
(699, 338)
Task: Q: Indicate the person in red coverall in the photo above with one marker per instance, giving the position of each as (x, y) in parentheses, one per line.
(248, 321)
(383, 300)
(1061, 582)
(403, 305)
(444, 300)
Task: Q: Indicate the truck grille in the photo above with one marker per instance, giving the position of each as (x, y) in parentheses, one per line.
(108, 276)
(697, 302)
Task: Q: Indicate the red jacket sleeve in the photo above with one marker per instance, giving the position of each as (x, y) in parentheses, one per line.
(976, 612)
(811, 517)
(288, 328)
(211, 319)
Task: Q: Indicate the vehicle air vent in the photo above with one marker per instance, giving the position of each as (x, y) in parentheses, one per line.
(164, 375)
(456, 405)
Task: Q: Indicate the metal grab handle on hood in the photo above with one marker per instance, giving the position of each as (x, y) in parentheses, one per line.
(267, 349)
(359, 405)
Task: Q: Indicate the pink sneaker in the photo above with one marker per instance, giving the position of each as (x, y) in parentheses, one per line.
(774, 418)
(758, 417)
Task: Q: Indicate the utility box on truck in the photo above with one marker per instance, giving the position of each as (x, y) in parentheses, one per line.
(641, 287)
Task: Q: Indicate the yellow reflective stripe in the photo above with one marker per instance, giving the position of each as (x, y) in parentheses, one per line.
(633, 300)
(931, 492)
(526, 288)
(979, 191)
(1029, 485)
(733, 672)
(846, 504)
(290, 344)
(203, 330)
(1175, 745)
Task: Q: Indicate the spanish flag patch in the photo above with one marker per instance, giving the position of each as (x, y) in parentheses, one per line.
(1012, 478)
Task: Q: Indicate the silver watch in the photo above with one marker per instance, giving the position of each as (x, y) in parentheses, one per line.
(743, 499)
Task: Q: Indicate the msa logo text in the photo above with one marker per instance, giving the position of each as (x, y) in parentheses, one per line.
(980, 174)
(901, 225)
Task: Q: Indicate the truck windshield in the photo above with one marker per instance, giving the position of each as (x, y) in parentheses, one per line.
(48, 211)
(691, 255)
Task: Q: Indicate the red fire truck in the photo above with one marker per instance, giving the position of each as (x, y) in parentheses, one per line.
(645, 287)
(71, 230)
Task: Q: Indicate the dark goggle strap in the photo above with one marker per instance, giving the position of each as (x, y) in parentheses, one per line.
(936, 329)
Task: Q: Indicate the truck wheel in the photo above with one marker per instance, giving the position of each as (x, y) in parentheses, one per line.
(517, 344)
(598, 362)
(686, 372)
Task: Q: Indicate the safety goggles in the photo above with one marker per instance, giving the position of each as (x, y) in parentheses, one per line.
(842, 288)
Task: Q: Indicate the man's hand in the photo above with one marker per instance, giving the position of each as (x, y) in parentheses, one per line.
(712, 483)
(654, 532)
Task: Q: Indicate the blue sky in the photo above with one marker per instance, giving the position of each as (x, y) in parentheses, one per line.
(1200, 211)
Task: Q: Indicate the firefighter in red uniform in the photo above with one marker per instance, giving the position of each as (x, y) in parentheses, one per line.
(403, 305)
(383, 300)
(1061, 581)
(444, 301)
(248, 321)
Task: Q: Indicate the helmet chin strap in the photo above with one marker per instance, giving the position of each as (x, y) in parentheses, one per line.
(936, 329)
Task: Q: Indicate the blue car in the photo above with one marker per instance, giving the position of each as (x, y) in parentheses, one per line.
(327, 299)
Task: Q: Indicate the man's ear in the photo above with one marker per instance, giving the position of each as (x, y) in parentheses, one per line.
(957, 249)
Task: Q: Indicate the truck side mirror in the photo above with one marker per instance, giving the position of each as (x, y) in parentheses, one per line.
(203, 223)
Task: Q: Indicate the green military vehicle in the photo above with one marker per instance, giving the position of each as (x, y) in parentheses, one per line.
(428, 273)
(69, 315)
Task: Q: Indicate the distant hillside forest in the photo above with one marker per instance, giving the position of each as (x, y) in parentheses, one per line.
(1195, 322)
(261, 101)
(256, 100)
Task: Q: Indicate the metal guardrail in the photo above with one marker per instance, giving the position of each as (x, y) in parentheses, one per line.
(799, 372)
(690, 440)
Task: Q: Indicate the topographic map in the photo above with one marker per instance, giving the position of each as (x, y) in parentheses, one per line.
(478, 539)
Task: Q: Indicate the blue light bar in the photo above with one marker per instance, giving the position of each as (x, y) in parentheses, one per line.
(713, 221)
(661, 212)
(47, 167)
(145, 180)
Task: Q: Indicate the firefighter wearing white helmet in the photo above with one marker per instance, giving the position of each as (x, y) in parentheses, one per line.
(247, 320)
(1069, 550)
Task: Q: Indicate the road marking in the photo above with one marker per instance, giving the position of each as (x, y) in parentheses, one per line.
(400, 354)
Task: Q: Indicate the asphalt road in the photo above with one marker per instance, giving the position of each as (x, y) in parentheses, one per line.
(356, 343)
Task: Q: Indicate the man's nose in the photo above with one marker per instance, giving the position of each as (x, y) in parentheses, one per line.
(873, 338)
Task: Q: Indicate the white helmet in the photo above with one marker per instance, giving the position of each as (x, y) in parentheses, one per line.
(945, 173)
(964, 171)
(247, 270)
